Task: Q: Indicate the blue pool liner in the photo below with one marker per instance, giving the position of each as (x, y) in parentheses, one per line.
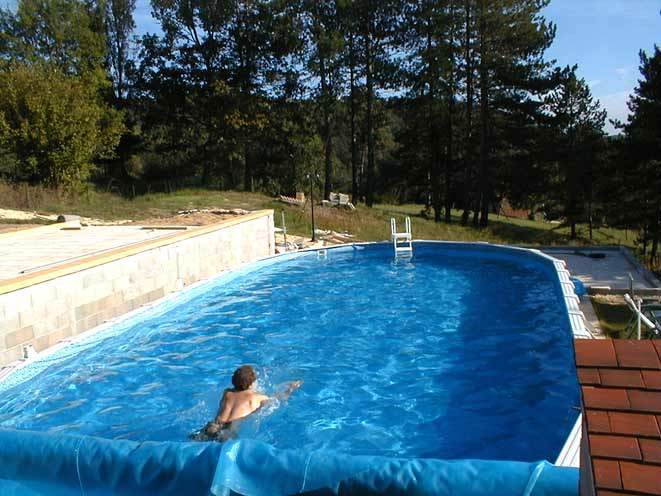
(33, 463)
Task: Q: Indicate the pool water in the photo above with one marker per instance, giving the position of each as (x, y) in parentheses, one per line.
(459, 352)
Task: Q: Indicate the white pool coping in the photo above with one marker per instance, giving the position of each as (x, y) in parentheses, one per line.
(569, 454)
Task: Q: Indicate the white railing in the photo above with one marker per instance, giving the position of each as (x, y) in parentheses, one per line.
(401, 241)
(636, 308)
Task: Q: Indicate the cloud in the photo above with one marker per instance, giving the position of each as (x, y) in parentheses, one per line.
(616, 106)
(622, 72)
(594, 83)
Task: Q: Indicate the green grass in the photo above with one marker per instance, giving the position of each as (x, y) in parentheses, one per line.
(364, 223)
(30, 222)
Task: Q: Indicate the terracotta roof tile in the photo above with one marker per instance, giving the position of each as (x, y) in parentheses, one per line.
(597, 421)
(588, 376)
(652, 379)
(601, 398)
(607, 474)
(619, 447)
(636, 354)
(646, 401)
(639, 477)
(595, 353)
(634, 424)
(621, 390)
(657, 345)
(651, 450)
(621, 378)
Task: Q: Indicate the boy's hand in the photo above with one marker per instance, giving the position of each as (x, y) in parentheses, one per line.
(295, 385)
(212, 429)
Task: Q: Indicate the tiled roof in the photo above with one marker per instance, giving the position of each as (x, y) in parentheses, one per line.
(621, 386)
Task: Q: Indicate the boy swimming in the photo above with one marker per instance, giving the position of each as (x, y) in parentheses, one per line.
(238, 403)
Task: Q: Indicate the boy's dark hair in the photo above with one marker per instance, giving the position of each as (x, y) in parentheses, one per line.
(243, 377)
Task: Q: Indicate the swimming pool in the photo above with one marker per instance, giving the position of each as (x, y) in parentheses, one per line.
(464, 351)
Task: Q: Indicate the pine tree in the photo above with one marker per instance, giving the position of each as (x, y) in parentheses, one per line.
(325, 40)
(511, 38)
(430, 37)
(376, 27)
(643, 151)
(579, 122)
(119, 26)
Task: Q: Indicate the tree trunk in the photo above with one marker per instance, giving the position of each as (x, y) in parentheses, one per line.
(434, 155)
(655, 237)
(248, 184)
(573, 178)
(449, 159)
(355, 188)
(369, 83)
(328, 169)
(469, 116)
(485, 187)
(326, 103)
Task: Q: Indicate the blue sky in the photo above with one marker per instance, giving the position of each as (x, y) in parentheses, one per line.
(602, 36)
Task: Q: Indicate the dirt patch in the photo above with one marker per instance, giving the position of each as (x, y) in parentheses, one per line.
(23, 215)
(16, 227)
(192, 217)
(198, 218)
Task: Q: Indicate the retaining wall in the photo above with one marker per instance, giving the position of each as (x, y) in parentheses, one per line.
(48, 306)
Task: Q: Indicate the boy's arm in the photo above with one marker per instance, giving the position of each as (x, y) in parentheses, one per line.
(223, 411)
(284, 395)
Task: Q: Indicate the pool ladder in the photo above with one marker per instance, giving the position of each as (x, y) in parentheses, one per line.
(401, 241)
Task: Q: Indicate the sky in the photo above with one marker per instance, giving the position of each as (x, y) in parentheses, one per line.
(602, 36)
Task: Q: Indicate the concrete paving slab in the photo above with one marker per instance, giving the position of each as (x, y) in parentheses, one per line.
(612, 270)
(26, 251)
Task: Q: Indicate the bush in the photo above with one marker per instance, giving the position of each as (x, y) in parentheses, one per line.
(53, 126)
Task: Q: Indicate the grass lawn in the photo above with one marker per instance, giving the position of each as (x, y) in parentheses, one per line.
(364, 223)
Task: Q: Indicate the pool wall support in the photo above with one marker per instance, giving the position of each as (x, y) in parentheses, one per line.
(53, 305)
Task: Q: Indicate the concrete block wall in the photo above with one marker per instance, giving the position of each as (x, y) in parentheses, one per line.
(47, 312)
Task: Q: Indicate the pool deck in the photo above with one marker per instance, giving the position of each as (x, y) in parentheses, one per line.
(60, 280)
(610, 274)
(25, 252)
(610, 271)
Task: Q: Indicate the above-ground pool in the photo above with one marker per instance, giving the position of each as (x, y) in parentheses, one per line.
(463, 351)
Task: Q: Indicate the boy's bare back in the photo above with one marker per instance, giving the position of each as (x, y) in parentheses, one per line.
(238, 404)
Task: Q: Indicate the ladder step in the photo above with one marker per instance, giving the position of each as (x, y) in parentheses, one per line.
(401, 241)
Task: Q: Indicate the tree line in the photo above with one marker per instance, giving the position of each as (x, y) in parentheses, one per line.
(451, 103)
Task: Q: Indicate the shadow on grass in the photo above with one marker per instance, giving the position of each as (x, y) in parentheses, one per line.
(499, 227)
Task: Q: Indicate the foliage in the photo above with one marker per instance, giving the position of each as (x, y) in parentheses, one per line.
(53, 125)
(63, 33)
(578, 124)
(119, 24)
(640, 185)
